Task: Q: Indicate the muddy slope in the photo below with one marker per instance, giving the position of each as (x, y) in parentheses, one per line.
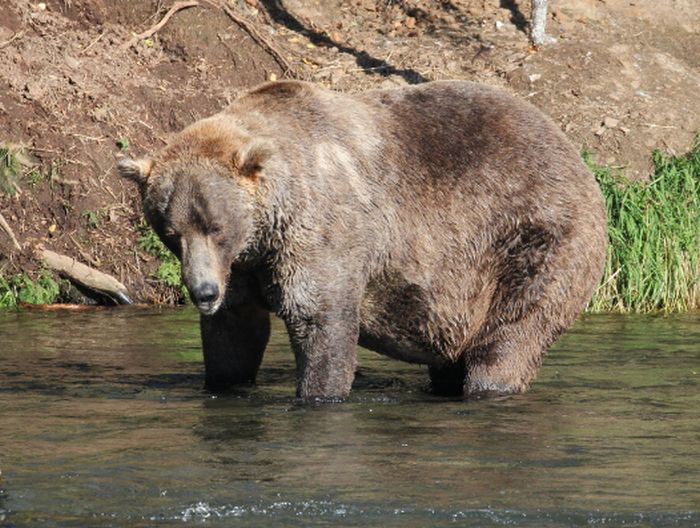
(621, 79)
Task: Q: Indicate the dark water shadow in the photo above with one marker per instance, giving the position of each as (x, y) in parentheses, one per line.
(92, 382)
(371, 65)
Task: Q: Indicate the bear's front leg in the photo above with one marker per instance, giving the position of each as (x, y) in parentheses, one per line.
(233, 342)
(324, 346)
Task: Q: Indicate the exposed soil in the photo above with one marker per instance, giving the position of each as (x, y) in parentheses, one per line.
(622, 79)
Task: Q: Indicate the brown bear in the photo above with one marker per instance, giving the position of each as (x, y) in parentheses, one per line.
(447, 224)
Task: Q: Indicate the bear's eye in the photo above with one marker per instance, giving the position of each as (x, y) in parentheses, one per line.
(216, 233)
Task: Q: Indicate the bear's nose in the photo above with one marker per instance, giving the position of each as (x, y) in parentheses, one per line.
(206, 292)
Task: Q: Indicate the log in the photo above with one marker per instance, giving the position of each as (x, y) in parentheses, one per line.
(86, 276)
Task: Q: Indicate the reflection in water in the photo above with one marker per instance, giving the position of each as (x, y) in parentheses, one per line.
(104, 423)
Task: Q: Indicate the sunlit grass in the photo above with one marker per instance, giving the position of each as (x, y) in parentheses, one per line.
(21, 288)
(168, 273)
(13, 162)
(653, 259)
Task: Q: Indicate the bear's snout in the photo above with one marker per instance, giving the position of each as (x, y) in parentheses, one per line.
(205, 295)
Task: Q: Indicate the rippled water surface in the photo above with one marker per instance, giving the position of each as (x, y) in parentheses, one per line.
(103, 423)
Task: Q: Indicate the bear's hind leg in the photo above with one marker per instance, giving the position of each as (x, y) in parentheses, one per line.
(233, 342)
(509, 358)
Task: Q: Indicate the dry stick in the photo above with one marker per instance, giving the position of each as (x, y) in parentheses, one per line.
(93, 43)
(82, 251)
(6, 227)
(86, 276)
(177, 6)
(261, 40)
(14, 37)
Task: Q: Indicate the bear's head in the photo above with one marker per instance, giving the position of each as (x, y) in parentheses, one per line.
(199, 196)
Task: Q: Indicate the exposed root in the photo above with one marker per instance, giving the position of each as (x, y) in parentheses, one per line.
(258, 37)
(177, 6)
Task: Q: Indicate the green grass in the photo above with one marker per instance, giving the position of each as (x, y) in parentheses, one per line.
(13, 161)
(653, 262)
(92, 218)
(169, 271)
(21, 288)
(122, 143)
(16, 166)
(35, 177)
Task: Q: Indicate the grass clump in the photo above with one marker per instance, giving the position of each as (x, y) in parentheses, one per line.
(169, 272)
(21, 288)
(13, 163)
(653, 261)
(93, 219)
(122, 143)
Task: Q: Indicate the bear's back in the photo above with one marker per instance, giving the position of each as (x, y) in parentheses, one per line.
(464, 136)
(441, 135)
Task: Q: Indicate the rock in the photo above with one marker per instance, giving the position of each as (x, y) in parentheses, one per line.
(610, 122)
(335, 37)
(71, 61)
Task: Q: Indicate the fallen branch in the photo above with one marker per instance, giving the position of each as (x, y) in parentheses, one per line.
(6, 227)
(86, 276)
(177, 6)
(261, 40)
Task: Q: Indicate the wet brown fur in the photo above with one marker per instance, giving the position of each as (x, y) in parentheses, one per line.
(448, 224)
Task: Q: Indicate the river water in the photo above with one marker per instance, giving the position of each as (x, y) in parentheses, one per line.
(103, 422)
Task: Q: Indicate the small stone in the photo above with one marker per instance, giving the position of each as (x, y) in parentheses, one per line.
(71, 61)
(534, 77)
(335, 37)
(410, 22)
(611, 122)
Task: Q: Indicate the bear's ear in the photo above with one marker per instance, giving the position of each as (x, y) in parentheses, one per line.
(137, 170)
(251, 158)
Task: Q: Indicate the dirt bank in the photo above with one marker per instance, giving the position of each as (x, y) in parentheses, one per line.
(622, 79)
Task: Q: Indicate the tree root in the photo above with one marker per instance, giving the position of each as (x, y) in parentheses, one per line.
(259, 38)
(177, 6)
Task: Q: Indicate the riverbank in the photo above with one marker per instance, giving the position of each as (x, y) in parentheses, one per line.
(77, 89)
